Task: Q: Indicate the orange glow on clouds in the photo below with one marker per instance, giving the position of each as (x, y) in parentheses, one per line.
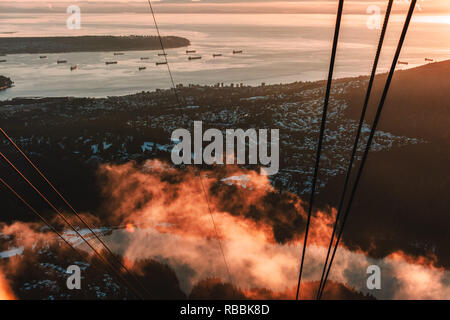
(166, 217)
(129, 227)
(5, 291)
(169, 205)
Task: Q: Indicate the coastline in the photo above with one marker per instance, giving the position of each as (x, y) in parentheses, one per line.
(169, 90)
(33, 45)
(5, 83)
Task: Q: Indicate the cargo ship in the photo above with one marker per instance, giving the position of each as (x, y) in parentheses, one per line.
(194, 58)
(237, 51)
(110, 62)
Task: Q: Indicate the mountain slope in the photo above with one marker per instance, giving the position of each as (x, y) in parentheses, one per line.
(418, 104)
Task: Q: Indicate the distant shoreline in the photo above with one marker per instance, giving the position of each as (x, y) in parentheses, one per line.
(5, 83)
(32, 45)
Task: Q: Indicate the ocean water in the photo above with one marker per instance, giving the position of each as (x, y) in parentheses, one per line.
(277, 48)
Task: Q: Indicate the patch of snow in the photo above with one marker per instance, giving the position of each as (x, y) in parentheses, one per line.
(106, 145)
(11, 253)
(241, 180)
(147, 146)
(94, 148)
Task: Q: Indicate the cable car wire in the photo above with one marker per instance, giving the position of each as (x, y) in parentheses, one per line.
(59, 213)
(45, 221)
(200, 177)
(321, 135)
(371, 136)
(164, 51)
(215, 229)
(358, 134)
(83, 221)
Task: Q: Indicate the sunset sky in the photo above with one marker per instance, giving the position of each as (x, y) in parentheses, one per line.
(222, 6)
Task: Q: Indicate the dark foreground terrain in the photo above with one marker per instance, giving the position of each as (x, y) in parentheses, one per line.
(402, 203)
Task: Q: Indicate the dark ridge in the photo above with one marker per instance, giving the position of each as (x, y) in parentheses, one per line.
(417, 104)
(87, 44)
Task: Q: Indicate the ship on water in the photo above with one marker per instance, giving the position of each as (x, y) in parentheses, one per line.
(61, 61)
(194, 58)
(216, 55)
(3, 60)
(145, 58)
(162, 54)
(42, 57)
(110, 62)
(142, 68)
(237, 51)
(73, 68)
(190, 51)
(159, 63)
(429, 60)
(118, 53)
(403, 62)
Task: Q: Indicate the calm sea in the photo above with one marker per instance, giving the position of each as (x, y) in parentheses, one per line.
(277, 48)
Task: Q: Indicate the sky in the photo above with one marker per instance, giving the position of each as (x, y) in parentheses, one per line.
(229, 6)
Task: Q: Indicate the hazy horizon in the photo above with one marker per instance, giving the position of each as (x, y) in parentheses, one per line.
(433, 7)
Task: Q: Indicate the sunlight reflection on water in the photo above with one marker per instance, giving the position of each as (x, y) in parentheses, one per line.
(277, 48)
